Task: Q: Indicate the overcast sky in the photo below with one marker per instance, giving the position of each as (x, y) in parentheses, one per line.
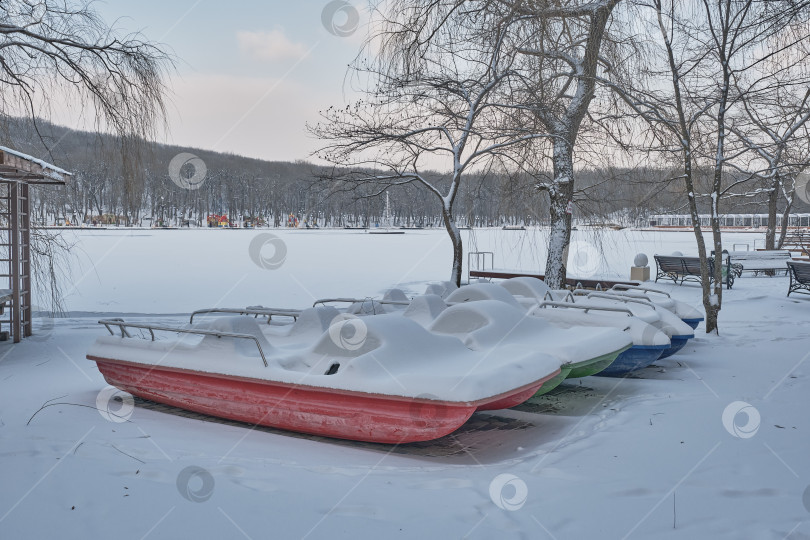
(250, 73)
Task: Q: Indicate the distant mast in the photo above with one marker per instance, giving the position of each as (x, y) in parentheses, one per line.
(387, 216)
(385, 225)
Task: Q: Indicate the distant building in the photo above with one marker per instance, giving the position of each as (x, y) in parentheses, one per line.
(740, 221)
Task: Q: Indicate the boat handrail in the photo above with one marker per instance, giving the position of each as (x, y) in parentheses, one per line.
(621, 287)
(624, 299)
(361, 301)
(480, 261)
(269, 312)
(123, 325)
(618, 294)
(586, 308)
(566, 297)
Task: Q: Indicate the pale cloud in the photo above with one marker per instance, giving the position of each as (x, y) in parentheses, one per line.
(261, 117)
(272, 45)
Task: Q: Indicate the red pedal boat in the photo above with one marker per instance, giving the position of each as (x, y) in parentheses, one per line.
(381, 379)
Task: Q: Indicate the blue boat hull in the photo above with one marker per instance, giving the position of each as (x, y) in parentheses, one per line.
(693, 322)
(676, 344)
(636, 357)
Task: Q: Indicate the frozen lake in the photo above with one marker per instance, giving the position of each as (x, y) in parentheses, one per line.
(176, 271)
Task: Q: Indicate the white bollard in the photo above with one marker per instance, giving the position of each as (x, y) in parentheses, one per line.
(640, 271)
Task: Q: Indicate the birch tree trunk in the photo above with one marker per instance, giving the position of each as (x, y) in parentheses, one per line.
(682, 130)
(560, 195)
(785, 219)
(773, 197)
(455, 238)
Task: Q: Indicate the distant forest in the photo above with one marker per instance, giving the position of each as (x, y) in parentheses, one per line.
(129, 184)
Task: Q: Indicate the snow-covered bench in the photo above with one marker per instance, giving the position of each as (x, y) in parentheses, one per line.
(477, 268)
(798, 242)
(772, 260)
(678, 267)
(799, 277)
(571, 282)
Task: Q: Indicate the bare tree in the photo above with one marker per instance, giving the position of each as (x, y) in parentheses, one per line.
(734, 33)
(559, 43)
(52, 50)
(774, 128)
(61, 51)
(675, 122)
(444, 115)
(711, 54)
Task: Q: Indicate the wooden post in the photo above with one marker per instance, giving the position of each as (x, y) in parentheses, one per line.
(25, 261)
(14, 240)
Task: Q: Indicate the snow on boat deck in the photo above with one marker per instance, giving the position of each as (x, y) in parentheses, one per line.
(641, 457)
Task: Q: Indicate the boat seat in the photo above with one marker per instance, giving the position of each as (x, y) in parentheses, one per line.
(368, 343)
(396, 295)
(346, 337)
(425, 308)
(315, 320)
(526, 286)
(482, 291)
(442, 288)
(237, 325)
(486, 323)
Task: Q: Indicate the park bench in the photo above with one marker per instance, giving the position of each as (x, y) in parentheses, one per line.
(679, 269)
(477, 268)
(570, 283)
(772, 260)
(799, 277)
(799, 243)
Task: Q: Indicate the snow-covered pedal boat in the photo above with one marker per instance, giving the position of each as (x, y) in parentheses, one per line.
(678, 331)
(684, 311)
(484, 315)
(582, 351)
(648, 342)
(381, 379)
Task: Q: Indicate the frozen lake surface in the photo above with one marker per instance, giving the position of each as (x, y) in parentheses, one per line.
(176, 271)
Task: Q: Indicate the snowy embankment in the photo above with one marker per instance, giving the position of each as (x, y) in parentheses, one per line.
(658, 455)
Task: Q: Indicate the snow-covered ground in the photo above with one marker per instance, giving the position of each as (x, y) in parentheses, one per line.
(658, 455)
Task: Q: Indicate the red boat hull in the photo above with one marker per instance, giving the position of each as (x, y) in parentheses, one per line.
(307, 409)
(512, 400)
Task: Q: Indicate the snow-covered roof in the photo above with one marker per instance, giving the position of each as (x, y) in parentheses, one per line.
(689, 216)
(17, 166)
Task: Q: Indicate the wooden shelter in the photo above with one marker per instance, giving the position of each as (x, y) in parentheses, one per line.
(17, 172)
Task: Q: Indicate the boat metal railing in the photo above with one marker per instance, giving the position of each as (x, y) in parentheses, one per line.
(361, 301)
(620, 287)
(585, 308)
(615, 295)
(480, 261)
(265, 312)
(123, 325)
(580, 287)
(625, 299)
(567, 297)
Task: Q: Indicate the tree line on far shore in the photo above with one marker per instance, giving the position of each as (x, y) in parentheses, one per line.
(267, 192)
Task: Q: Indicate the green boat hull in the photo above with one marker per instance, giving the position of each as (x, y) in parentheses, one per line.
(592, 366)
(554, 382)
(580, 369)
